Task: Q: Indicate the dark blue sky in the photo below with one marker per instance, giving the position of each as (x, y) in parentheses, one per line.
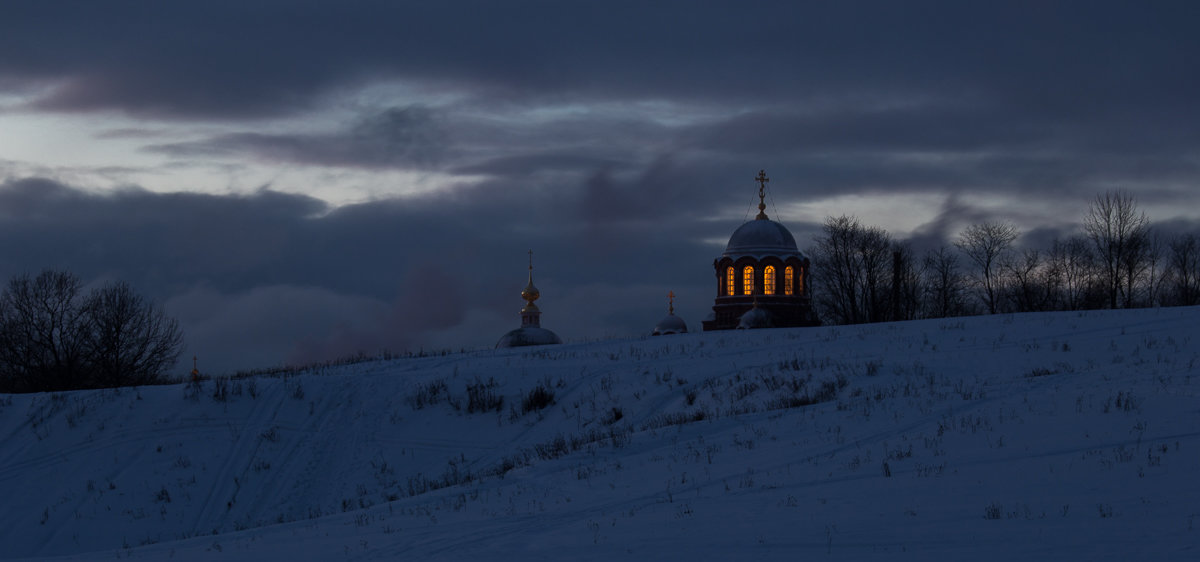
(299, 180)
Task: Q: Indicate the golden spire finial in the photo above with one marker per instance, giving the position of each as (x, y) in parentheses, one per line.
(762, 180)
(670, 302)
(530, 293)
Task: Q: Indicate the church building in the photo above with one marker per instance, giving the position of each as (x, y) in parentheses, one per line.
(762, 278)
(531, 331)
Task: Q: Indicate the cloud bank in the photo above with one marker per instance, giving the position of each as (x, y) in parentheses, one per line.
(405, 156)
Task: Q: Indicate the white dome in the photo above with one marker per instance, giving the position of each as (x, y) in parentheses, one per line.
(671, 324)
(761, 237)
(528, 335)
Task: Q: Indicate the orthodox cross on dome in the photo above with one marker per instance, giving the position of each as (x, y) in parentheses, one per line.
(671, 302)
(762, 180)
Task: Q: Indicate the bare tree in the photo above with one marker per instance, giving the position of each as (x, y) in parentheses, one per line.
(1183, 266)
(41, 333)
(907, 284)
(1030, 281)
(874, 251)
(1153, 273)
(985, 244)
(130, 341)
(53, 338)
(853, 264)
(944, 285)
(837, 267)
(1072, 271)
(1120, 234)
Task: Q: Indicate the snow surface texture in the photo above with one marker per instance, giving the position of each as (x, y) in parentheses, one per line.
(1042, 436)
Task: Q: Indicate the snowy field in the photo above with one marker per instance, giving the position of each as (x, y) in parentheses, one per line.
(1054, 436)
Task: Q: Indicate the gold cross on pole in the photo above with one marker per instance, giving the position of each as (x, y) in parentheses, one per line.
(762, 180)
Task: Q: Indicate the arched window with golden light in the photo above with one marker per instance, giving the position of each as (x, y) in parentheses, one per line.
(729, 279)
(789, 281)
(748, 280)
(769, 280)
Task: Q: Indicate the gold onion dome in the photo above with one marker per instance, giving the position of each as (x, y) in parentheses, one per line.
(530, 293)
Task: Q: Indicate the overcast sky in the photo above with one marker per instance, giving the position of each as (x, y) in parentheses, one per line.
(296, 181)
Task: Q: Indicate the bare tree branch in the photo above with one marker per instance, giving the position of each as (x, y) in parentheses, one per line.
(1120, 234)
(985, 244)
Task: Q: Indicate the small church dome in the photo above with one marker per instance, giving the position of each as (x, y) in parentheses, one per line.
(670, 324)
(531, 331)
(528, 335)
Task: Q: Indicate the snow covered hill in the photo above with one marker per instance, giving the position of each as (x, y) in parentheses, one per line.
(1042, 436)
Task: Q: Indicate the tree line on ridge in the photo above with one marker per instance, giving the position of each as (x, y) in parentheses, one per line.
(862, 274)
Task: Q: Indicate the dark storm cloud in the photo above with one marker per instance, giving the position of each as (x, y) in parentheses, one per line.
(954, 145)
(612, 138)
(396, 138)
(532, 163)
(944, 227)
(421, 137)
(131, 133)
(272, 58)
(853, 97)
(45, 222)
(273, 277)
(934, 125)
